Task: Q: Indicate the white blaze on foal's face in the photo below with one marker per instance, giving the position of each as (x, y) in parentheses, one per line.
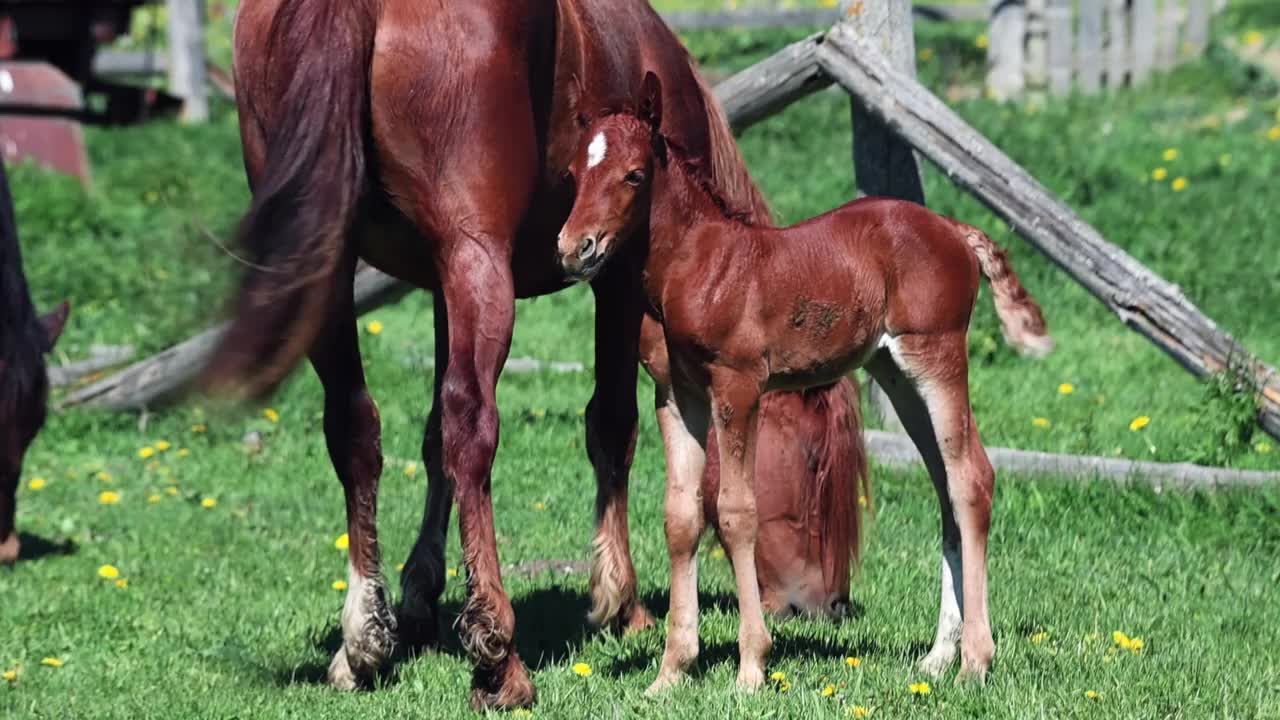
(596, 150)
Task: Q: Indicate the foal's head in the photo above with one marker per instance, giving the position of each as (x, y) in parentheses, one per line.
(612, 169)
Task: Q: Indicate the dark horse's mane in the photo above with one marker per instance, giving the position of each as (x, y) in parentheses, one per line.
(22, 338)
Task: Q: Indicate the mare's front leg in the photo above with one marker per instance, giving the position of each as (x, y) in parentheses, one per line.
(611, 421)
(353, 434)
(683, 422)
(926, 377)
(735, 402)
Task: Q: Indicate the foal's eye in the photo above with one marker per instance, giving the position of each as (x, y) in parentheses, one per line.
(634, 178)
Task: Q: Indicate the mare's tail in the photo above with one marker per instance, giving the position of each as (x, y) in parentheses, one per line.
(313, 117)
(841, 485)
(1020, 318)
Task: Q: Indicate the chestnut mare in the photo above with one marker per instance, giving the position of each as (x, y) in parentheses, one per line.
(883, 284)
(433, 141)
(24, 384)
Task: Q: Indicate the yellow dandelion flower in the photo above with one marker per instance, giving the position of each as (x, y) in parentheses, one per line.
(183, 452)
(1039, 637)
(400, 567)
(38, 483)
(786, 685)
(1066, 389)
(52, 662)
(1263, 447)
(926, 54)
(271, 415)
(108, 572)
(122, 583)
(146, 452)
(582, 669)
(154, 498)
(1159, 174)
(1119, 638)
(1274, 133)
(828, 691)
(104, 476)
(162, 445)
(778, 676)
(1253, 38)
(921, 688)
(1170, 154)
(451, 572)
(1041, 422)
(374, 327)
(171, 490)
(107, 497)
(1139, 422)
(981, 42)
(208, 503)
(717, 553)
(862, 501)
(410, 469)
(199, 428)
(10, 675)
(1179, 184)
(521, 712)
(853, 662)
(1092, 695)
(342, 542)
(339, 585)
(859, 711)
(539, 505)
(1136, 645)
(1224, 159)
(833, 3)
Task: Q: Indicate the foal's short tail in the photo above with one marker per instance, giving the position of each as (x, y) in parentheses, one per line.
(1020, 317)
(842, 486)
(312, 115)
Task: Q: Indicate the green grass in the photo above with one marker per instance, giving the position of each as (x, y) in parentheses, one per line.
(229, 611)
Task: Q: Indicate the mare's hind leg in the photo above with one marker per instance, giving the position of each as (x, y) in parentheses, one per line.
(353, 433)
(611, 441)
(927, 379)
(423, 579)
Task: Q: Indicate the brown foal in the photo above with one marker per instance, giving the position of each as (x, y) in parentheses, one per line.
(878, 283)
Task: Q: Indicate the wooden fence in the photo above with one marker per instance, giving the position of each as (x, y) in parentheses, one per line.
(1064, 45)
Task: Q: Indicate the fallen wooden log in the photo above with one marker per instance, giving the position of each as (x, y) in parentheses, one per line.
(897, 450)
(101, 357)
(1141, 299)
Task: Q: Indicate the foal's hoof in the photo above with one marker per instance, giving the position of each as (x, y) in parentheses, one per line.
(638, 620)
(750, 678)
(505, 687)
(666, 680)
(10, 549)
(937, 661)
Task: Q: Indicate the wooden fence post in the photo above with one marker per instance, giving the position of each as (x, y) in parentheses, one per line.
(882, 163)
(188, 76)
(1117, 43)
(1089, 47)
(1037, 72)
(1197, 37)
(1058, 20)
(1170, 19)
(1142, 29)
(1006, 51)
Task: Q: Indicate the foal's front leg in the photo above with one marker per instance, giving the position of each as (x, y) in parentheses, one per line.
(735, 400)
(683, 424)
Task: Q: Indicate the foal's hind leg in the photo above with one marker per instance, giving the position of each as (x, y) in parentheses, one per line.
(927, 379)
(353, 434)
(611, 441)
(423, 579)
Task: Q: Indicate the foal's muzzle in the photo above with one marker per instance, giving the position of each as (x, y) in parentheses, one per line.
(585, 260)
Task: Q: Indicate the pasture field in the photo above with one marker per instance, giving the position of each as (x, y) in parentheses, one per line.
(228, 557)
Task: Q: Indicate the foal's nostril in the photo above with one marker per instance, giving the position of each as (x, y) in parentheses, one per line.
(588, 248)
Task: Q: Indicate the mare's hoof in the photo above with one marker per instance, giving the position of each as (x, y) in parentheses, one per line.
(505, 687)
(639, 620)
(750, 679)
(10, 549)
(937, 661)
(667, 679)
(340, 674)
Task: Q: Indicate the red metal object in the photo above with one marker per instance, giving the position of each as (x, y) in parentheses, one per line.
(51, 141)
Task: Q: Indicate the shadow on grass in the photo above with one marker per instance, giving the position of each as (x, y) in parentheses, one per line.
(35, 547)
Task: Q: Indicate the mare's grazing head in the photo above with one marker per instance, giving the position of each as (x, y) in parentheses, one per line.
(612, 169)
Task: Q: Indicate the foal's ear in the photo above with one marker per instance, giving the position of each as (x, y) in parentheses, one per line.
(651, 100)
(54, 322)
(573, 94)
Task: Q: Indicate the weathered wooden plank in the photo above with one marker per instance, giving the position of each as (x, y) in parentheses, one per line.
(1197, 31)
(1006, 51)
(1058, 22)
(188, 78)
(1170, 22)
(773, 83)
(801, 17)
(1139, 297)
(1089, 47)
(1142, 38)
(1117, 43)
(897, 450)
(1037, 72)
(101, 357)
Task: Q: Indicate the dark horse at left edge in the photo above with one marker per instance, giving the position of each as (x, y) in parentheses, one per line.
(432, 140)
(24, 382)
